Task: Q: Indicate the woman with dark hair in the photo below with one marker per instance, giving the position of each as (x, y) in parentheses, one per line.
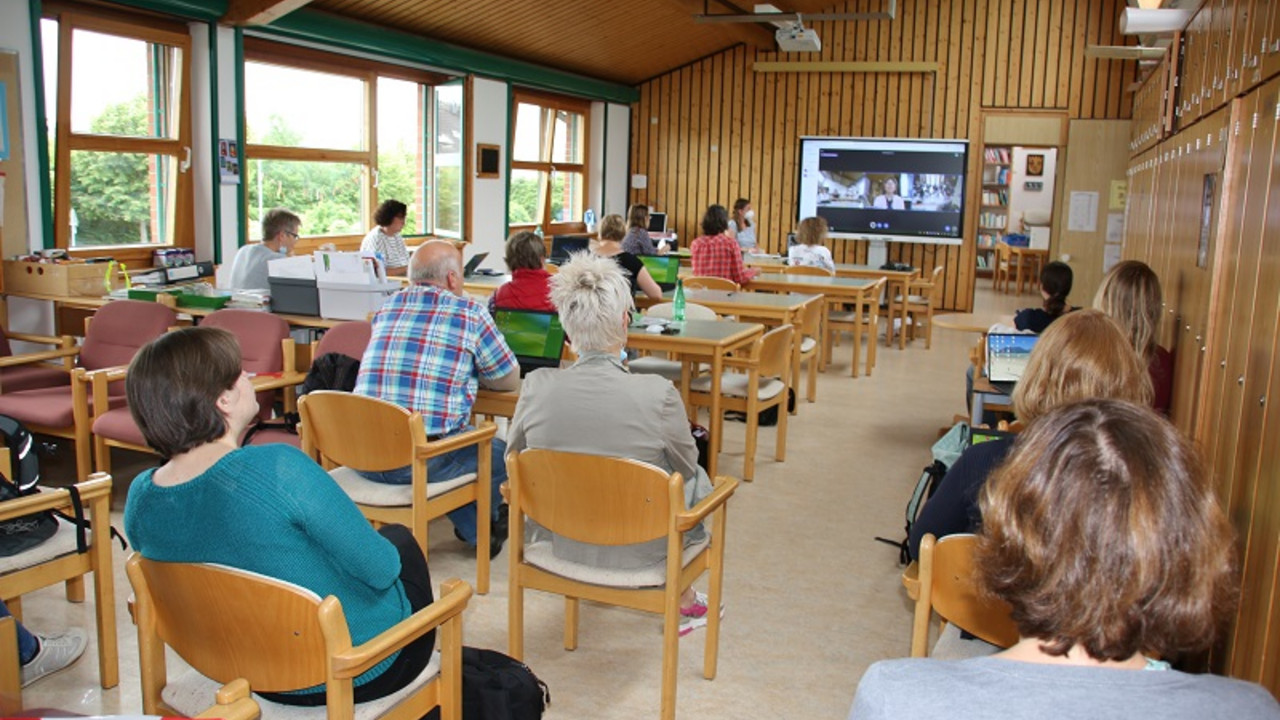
(268, 509)
(742, 226)
(385, 236)
(1130, 294)
(528, 288)
(714, 253)
(1102, 533)
(1055, 286)
(637, 240)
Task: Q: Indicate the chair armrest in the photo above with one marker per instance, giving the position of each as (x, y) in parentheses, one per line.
(97, 486)
(484, 433)
(277, 380)
(233, 703)
(62, 341)
(725, 487)
(35, 357)
(453, 600)
(911, 580)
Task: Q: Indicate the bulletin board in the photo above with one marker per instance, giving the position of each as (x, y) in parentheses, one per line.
(13, 210)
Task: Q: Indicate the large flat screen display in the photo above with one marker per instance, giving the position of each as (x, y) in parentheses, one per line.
(885, 188)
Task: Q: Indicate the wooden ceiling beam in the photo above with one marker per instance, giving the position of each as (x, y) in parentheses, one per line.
(259, 12)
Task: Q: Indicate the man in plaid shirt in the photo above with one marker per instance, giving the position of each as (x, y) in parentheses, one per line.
(716, 254)
(430, 350)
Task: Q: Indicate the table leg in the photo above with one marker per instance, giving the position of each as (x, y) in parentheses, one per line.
(1020, 264)
(857, 335)
(686, 374)
(902, 328)
(978, 404)
(797, 339)
(717, 414)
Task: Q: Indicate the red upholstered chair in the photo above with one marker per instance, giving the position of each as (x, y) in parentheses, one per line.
(348, 338)
(112, 337)
(266, 350)
(35, 370)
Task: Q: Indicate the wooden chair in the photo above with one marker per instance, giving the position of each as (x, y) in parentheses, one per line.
(761, 383)
(614, 501)
(862, 320)
(266, 350)
(113, 335)
(30, 371)
(669, 369)
(233, 701)
(709, 282)
(57, 560)
(807, 270)
(811, 346)
(229, 624)
(921, 298)
(1005, 270)
(345, 432)
(945, 582)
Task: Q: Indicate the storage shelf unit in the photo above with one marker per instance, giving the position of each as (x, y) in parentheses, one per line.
(993, 213)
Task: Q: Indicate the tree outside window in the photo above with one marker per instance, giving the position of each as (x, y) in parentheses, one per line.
(548, 162)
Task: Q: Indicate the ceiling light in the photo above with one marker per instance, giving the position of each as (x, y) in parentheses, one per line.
(1139, 21)
(1123, 52)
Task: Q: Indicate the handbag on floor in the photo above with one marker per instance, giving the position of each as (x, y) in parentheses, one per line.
(946, 451)
(496, 686)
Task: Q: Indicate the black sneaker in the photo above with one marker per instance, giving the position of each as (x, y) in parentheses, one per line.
(495, 540)
(499, 528)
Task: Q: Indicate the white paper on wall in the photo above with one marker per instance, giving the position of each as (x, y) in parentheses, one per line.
(1083, 214)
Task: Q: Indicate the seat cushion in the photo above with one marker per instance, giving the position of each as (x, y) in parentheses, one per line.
(50, 407)
(736, 386)
(190, 693)
(808, 344)
(117, 424)
(367, 492)
(669, 369)
(540, 555)
(62, 542)
(30, 377)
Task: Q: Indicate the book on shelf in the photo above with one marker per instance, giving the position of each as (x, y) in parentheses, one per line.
(996, 156)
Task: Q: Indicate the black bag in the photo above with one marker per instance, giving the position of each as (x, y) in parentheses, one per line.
(498, 687)
(946, 451)
(769, 415)
(702, 441)
(22, 533)
(330, 371)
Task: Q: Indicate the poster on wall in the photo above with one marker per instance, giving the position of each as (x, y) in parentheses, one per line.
(228, 162)
(1206, 222)
(4, 121)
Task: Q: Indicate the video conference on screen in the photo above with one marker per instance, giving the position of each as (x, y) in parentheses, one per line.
(897, 189)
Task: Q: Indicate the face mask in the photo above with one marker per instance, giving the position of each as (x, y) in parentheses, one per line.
(750, 215)
(622, 356)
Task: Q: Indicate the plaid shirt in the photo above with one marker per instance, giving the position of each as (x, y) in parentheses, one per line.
(719, 256)
(427, 351)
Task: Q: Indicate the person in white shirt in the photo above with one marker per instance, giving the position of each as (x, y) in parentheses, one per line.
(889, 199)
(810, 249)
(742, 226)
(279, 235)
(385, 237)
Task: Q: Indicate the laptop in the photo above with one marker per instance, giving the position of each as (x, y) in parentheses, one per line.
(658, 222)
(536, 337)
(1007, 356)
(564, 245)
(473, 263)
(664, 269)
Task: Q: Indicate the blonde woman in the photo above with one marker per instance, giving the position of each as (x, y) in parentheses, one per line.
(609, 244)
(809, 249)
(1130, 294)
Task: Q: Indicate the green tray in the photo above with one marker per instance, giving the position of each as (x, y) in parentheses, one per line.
(148, 294)
(215, 302)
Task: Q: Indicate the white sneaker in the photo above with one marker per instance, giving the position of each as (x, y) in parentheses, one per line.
(57, 652)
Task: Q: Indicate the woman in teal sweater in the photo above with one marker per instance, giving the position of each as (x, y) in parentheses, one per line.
(268, 509)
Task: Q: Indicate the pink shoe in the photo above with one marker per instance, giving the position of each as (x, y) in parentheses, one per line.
(695, 616)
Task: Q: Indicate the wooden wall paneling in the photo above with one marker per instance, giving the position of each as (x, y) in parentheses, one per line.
(694, 191)
(1256, 351)
(986, 67)
(1193, 52)
(1271, 58)
(1253, 47)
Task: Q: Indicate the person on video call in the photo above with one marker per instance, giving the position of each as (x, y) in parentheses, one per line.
(889, 199)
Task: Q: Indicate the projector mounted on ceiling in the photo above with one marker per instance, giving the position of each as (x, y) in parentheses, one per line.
(797, 38)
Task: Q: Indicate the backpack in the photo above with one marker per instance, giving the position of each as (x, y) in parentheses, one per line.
(945, 451)
(23, 533)
(498, 687)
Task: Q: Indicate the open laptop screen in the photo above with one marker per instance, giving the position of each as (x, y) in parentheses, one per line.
(531, 334)
(664, 269)
(657, 222)
(1007, 355)
(563, 245)
(473, 263)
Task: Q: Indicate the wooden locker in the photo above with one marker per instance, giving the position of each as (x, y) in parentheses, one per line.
(1190, 81)
(1224, 21)
(1271, 58)
(1252, 46)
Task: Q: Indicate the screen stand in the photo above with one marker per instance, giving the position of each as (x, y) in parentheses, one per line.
(877, 253)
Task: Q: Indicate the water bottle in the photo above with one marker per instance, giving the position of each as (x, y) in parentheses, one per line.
(538, 231)
(677, 303)
(589, 219)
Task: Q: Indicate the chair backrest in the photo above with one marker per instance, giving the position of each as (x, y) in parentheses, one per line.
(947, 588)
(807, 270)
(229, 623)
(359, 431)
(811, 317)
(5, 350)
(709, 282)
(871, 300)
(775, 352)
(593, 498)
(692, 311)
(119, 330)
(348, 338)
(260, 336)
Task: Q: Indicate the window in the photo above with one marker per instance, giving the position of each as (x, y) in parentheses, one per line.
(121, 148)
(548, 162)
(331, 137)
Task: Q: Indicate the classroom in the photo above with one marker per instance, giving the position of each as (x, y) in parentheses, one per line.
(950, 162)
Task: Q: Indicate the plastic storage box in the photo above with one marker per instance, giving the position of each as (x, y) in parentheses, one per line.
(295, 296)
(352, 301)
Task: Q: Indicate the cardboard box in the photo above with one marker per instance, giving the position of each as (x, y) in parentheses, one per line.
(61, 279)
(294, 296)
(353, 301)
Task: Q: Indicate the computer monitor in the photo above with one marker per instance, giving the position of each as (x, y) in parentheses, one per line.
(536, 337)
(1007, 355)
(563, 245)
(664, 269)
(657, 222)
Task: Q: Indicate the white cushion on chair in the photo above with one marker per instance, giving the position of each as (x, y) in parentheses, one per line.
(189, 693)
(736, 386)
(912, 299)
(669, 369)
(367, 492)
(808, 344)
(62, 542)
(842, 316)
(540, 554)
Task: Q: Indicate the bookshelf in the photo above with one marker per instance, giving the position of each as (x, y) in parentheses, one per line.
(993, 208)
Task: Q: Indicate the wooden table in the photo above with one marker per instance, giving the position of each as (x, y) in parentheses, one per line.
(839, 289)
(700, 341)
(1023, 255)
(484, 285)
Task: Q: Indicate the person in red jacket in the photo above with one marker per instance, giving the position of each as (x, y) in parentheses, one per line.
(530, 287)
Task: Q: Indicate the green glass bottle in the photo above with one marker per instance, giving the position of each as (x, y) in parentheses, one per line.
(677, 303)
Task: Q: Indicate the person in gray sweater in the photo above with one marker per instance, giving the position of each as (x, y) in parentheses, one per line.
(1103, 534)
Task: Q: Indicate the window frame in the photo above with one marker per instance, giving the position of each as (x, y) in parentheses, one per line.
(72, 17)
(549, 167)
(267, 51)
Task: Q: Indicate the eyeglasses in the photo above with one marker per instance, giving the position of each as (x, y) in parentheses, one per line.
(292, 234)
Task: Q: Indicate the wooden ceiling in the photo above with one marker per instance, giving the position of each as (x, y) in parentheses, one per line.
(625, 41)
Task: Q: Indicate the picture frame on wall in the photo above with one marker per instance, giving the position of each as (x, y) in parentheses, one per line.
(488, 161)
(1035, 165)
